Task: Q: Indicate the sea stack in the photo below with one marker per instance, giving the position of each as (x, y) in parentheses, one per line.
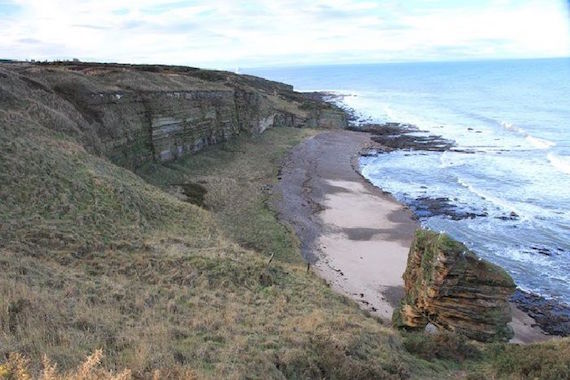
(449, 286)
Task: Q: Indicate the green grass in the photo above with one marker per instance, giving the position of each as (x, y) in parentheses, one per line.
(238, 177)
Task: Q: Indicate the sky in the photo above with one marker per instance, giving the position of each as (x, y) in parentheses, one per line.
(228, 34)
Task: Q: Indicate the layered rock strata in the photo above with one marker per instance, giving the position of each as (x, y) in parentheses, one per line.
(136, 114)
(449, 286)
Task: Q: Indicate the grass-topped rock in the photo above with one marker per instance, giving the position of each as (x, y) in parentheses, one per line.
(449, 286)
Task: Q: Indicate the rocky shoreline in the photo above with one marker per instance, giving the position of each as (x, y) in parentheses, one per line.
(551, 316)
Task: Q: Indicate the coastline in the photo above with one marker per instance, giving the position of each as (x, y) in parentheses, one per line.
(355, 236)
(341, 212)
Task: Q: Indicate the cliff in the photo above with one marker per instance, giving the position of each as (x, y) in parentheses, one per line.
(136, 113)
(68, 131)
(449, 286)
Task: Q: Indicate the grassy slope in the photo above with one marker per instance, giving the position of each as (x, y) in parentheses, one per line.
(238, 176)
(93, 256)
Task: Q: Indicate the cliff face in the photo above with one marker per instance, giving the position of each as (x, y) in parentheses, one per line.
(452, 288)
(133, 114)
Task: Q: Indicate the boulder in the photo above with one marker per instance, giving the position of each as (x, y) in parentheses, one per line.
(450, 287)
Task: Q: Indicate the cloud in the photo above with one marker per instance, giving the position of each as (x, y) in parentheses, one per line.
(227, 33)
(96, 27)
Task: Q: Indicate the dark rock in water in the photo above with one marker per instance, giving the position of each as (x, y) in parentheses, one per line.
(424, 207)
(404, 136)
(370, 153)
(542, 250)
(449, 286)
(552, 316)
(512, 216)
(405, 141)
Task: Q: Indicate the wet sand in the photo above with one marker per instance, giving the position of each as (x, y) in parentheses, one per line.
(355, 236)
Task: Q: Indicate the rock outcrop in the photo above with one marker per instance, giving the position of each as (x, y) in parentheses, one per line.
(134, 114)
(449, 286)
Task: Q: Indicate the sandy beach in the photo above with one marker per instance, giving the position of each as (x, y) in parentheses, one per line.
(355, 236)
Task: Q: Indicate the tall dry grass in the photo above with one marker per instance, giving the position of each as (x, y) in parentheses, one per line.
(17, 367)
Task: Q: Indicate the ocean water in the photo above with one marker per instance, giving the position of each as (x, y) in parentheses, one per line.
(515, 117)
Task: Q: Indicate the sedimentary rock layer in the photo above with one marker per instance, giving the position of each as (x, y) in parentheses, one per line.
(136, 114)
(449, 286)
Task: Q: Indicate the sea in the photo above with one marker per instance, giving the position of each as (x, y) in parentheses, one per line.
(510, 165)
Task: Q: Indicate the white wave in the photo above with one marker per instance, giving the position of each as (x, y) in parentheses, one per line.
(501, 203)
(512, 127)
(560, 163)
(389, 113)
(534, 141)
(539, 143)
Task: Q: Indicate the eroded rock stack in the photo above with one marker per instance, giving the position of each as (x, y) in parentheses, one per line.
(449, 286)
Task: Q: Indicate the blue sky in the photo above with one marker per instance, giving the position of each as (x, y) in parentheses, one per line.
(229, 33)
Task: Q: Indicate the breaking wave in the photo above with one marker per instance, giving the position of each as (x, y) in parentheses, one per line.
(534, 141)
(560, 163)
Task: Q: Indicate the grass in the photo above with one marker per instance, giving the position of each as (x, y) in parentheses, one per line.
(97, 260)
(443, 346)
(549, 360)
(238, 176)
(18, 367)
(93, 257)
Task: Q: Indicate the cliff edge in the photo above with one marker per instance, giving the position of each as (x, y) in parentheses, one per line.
(136, 113)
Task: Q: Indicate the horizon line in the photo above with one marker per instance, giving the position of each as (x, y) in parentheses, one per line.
(284, 65)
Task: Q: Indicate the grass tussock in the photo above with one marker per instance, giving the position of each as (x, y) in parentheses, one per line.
(443, 345)
(447, 351)
(17, 367)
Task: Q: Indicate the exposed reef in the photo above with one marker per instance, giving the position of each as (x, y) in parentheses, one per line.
(553, 317)
(393, 136)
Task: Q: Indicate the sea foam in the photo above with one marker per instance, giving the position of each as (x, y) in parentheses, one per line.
(536, 142)
(540, 143)
(560, 163)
